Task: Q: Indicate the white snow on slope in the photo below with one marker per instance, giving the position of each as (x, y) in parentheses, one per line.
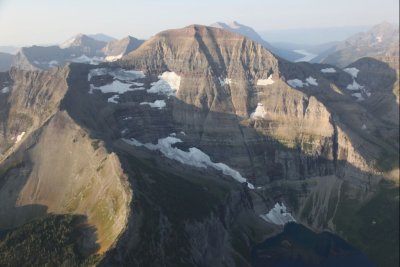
(296, 83)
(307, 55)
(160, 104)
(328, 70)
(358, 96)
(86, 59)
(53, 63)
(354, 86)
(113, 99)
(278, 215)
(259, 112)
(127, 75)
(267, 81)
(5, 90)
(19, 137)
(167, 85)
(194, 157)
(96, 72)
(120, 74)
(299, 83)
(225, 81)
(114, 87)
(352, 71)
(312, 81)
(113, 58)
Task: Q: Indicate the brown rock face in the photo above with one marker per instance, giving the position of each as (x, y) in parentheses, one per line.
(49, 164)
(295, 133)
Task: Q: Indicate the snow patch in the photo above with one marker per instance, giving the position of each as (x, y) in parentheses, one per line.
(167, 85)
(259, 112)
(267, 81)
(53, 63)
(5, 90)
(88, 60)
(225, 81)
(113, 58)
(312, 81)
(328, 70)
(296, 83)
(96, 72)
(354, 86)
(114, 87)
(127, 75)
(358, 96)
(352, 71)
(278, 215)
(113, 99)
(194, 157)
(160, 104)
(19, 137)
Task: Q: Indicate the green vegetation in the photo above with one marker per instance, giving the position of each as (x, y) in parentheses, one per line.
(374, 226)
(50, 241)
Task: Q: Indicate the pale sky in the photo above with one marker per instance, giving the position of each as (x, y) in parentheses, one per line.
(27, 22)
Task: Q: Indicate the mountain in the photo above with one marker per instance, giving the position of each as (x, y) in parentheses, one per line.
(80, 48)
(88, 44)
(102, 37)
(312, 36)
(380, 41)
(253, 35)
(5, 61)
(118, 48)
(194, 148)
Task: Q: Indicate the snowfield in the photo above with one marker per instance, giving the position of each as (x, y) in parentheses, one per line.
(113, 58)
(160, 104)
(328, 70)
(114, 87)
(267, 81)
(86, 59)
(312, 81)
(354, 86)
(194, 157)
(295, 83)
(278, 215)
(19, 137)
(167, 85)
(352, 71)
(113, 99)
(259, 112)
(5, 90)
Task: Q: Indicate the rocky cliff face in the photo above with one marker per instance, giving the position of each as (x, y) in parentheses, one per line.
(116, 49)
(49, 164)
(210, 130)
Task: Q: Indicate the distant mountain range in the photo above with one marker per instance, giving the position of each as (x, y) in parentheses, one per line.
(80, 48)
(253, 35)
(381, 41)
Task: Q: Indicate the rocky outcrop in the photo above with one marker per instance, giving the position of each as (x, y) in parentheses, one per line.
(115, 50)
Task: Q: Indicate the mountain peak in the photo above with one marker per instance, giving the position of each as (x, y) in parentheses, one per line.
(82, 40)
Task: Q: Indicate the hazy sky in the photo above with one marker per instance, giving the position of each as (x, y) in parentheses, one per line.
(26, 22)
